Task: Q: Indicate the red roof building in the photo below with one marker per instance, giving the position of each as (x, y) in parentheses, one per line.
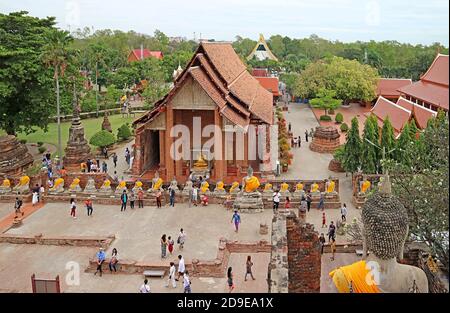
(141, 54)
(431, 91)
(260, 72)
(271, 84)
(388, 87)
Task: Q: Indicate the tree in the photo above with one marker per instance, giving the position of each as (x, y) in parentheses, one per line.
(311, 80)
(26, 86)
(388, 138)
(422, 186)
(369, 160)
(243, 46)
(326, 100)
(402, 146)
(352, 149)
(102, 139)
(112, 96)
(124, 132)
(413, 130)
(57, 55)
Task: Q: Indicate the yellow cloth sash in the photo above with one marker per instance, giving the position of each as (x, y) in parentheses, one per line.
(251, 184)
(205, 186)
(357, 273)
(158, 184)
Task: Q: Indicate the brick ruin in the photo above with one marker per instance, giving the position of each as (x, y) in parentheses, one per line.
(325, 140)
(15, 157)
(295, 264)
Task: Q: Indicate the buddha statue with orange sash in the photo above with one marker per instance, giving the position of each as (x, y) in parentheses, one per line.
(250, 183)
(5, 187)
(385, 230)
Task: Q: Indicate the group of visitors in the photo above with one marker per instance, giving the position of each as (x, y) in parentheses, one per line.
(37, 194)
(167, 243)
(196, 198)
(309, 134)
(131, 198)
(101, 257)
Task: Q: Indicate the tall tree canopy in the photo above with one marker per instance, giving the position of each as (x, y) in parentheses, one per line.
(352, 156)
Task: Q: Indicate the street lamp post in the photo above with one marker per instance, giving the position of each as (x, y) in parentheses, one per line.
(383, 150)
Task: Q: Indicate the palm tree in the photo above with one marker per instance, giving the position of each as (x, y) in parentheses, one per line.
(57, 55)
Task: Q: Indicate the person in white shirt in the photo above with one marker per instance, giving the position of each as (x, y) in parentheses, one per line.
(181, 267)
(276, 200)
(181, 239)
(186, 283)
(194, 195)
(344, 213)
(171, 279)
(145, 288)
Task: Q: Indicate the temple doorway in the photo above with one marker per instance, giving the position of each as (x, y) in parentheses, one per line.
(151, 155)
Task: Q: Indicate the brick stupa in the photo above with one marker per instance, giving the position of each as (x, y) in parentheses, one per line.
(14, 156)
(78, 149)
(325, 140)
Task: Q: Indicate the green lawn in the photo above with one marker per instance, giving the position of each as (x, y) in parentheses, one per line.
(91, 126)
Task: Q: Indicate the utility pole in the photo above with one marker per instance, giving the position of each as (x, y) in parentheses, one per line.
(96, 86)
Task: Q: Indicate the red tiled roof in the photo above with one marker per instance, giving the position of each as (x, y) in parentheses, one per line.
(388, 87)
(270, 83)
(147, 53)
(422, 115)
(398, 115)
(429, 92)
(438, 71)
(406, 104)
(259, 72)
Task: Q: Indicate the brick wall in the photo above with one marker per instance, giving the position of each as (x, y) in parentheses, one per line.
(77, 241)
(304, 259)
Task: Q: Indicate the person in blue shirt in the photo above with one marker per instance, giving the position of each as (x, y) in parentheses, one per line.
(236, 219)
(123, 200)
(100, 259)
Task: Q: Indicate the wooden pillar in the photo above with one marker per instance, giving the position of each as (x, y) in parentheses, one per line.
(170, 164)
(218, 147)
(162, 148)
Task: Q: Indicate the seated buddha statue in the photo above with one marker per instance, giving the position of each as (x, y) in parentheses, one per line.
(204, 187)
(200, 164)
(24, 185)
(58, 186)
(5, 186)
(219, 186)
(121, 187)
(299, 187)
(157, 182)
(267, 187)
(330, 187)
(250, 182)
(385, 230)
(75, 185)
(284, 187)
(365, 186)
(137, 186)
(234, 187)
(105, 188)
(315, 188)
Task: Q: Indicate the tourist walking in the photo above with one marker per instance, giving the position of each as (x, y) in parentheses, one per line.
(344, 213)
(100, 259)
(230, 279)
(172, 197)
(17, 207)
(104, 167)
(41, 192)
(187, 283)
(331, 231)
(158, 198)
(236, 218)
(89, 208)
(308, 201)
(114, 157)
(333, 248)
(170, 244)
(306, 135)
(322, 242)
(140, 198)
(123, 200)
(303, 205)
(194, 195)
(248, 266)
(287, 203)
(181, 267)
(276, 200)
(113, 262)
(73, 208)
(324, 220)
(132, 199)
(145, 288)
(115, 177)
(299, 141)
(321, 205)
(105, 152)
(181, 239)
(171, 279)
(163, 246)
(35, 198)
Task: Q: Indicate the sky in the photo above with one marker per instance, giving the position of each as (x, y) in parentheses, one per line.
(411, 21)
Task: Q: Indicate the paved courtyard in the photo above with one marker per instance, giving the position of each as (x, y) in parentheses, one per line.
(5, 209)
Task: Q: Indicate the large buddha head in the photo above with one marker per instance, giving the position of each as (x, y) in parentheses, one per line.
(385, 223)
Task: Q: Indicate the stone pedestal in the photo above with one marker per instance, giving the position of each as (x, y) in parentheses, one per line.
(219, 192)
(78, 149)
(249, 202)
(14, 156)
(325, 140)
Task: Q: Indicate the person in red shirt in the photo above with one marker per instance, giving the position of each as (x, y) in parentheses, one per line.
(140, 198)
(324, 220)
(287, 203)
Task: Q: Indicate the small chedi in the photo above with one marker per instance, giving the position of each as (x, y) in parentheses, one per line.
(249, 199)
(137, 187)
(23, 186)
(75, 185)
(14, 156)
(385, 230)
(220, 190)
(234, 189)
(58, 186)
(105, 188)
(121, 188)
(90, 186)
(5, 186)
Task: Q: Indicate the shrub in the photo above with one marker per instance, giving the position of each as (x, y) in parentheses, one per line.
(339, 118)
(23, 141)
(339, 154)
(102, 139)
(325, 118)
(40, 143)
(344, 127)
(124, 132)
(42, 149)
